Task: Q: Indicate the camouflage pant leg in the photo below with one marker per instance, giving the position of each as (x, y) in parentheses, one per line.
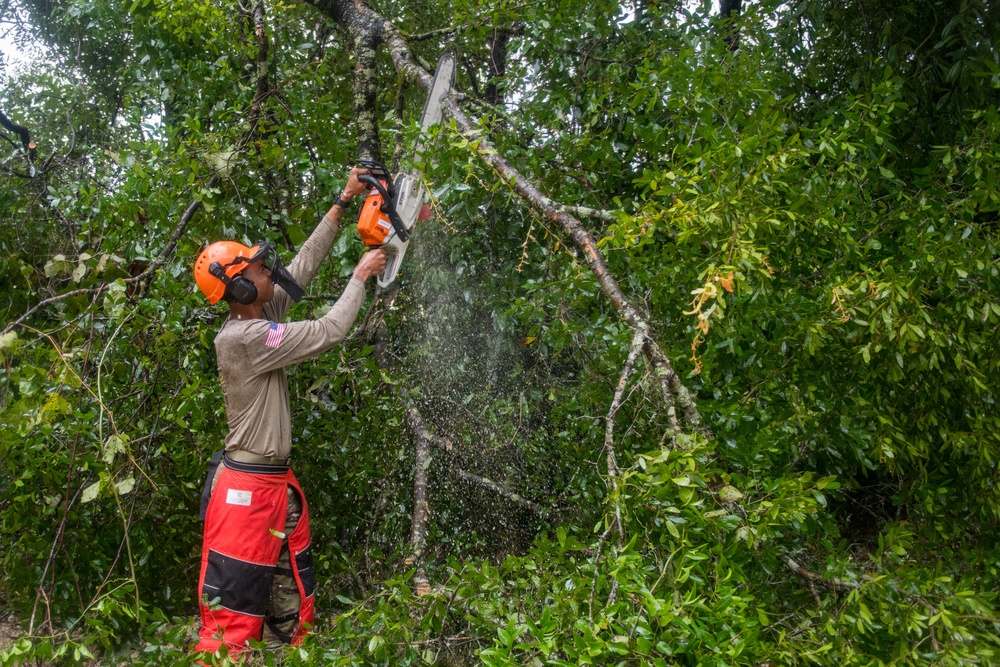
(282, 617)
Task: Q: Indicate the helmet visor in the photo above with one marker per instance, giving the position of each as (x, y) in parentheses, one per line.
(283, 278)
(265, 253)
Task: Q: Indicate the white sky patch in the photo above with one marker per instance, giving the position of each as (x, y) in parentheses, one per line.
(12, 56)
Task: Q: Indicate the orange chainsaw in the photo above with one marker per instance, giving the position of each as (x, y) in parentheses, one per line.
(395, 203)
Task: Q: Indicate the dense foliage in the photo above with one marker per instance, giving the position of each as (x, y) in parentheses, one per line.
(804, 200)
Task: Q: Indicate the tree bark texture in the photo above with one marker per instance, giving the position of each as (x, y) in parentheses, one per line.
(421, 510)
(364, 29)
(366, 96)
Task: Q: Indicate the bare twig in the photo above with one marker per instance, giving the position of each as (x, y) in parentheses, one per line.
(609, 448)
(433, 33)
(816, 578)
(487, 483)
(597, 563)
(609, 428)
(52, 554)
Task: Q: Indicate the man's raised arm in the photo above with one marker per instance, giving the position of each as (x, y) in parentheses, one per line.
(317, 246)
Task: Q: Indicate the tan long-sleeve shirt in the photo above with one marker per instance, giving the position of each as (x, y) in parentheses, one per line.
(252, 354)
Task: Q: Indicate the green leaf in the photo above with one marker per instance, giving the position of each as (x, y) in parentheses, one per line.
(56, 265)
(8, 340)
(112, 446)
(90, 493)
(125, 486)
(730, 494)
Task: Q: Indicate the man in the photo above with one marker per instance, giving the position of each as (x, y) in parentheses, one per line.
(256, 571)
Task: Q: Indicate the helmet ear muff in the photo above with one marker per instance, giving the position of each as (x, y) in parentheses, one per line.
(239, 289)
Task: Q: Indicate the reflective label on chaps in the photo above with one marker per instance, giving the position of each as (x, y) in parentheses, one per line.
(235, 497)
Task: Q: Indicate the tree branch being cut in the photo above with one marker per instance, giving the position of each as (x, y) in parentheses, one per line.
(358, 16)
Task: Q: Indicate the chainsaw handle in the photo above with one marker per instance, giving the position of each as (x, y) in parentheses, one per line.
(373, 182)
(387, 205)
(374, 166)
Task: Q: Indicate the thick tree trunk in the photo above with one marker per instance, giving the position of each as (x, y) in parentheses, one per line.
(365, 30)
(366, 95)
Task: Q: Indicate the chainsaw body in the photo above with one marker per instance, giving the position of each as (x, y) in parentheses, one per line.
(390, 211)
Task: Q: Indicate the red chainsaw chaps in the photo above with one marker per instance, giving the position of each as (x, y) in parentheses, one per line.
(244, 526)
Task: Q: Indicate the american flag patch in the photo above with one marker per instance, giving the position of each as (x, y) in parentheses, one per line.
(274, 335)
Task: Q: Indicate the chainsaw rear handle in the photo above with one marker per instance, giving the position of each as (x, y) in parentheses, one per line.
(387, 205)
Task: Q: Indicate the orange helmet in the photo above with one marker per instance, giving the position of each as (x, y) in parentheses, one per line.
(232, 256)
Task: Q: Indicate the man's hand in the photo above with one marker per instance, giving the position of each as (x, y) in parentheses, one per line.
(354, 186)
(371, 264)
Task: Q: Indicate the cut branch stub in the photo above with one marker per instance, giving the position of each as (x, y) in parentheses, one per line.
(19, 130)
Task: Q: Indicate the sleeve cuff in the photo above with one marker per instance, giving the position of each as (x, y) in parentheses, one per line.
(357, 281)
